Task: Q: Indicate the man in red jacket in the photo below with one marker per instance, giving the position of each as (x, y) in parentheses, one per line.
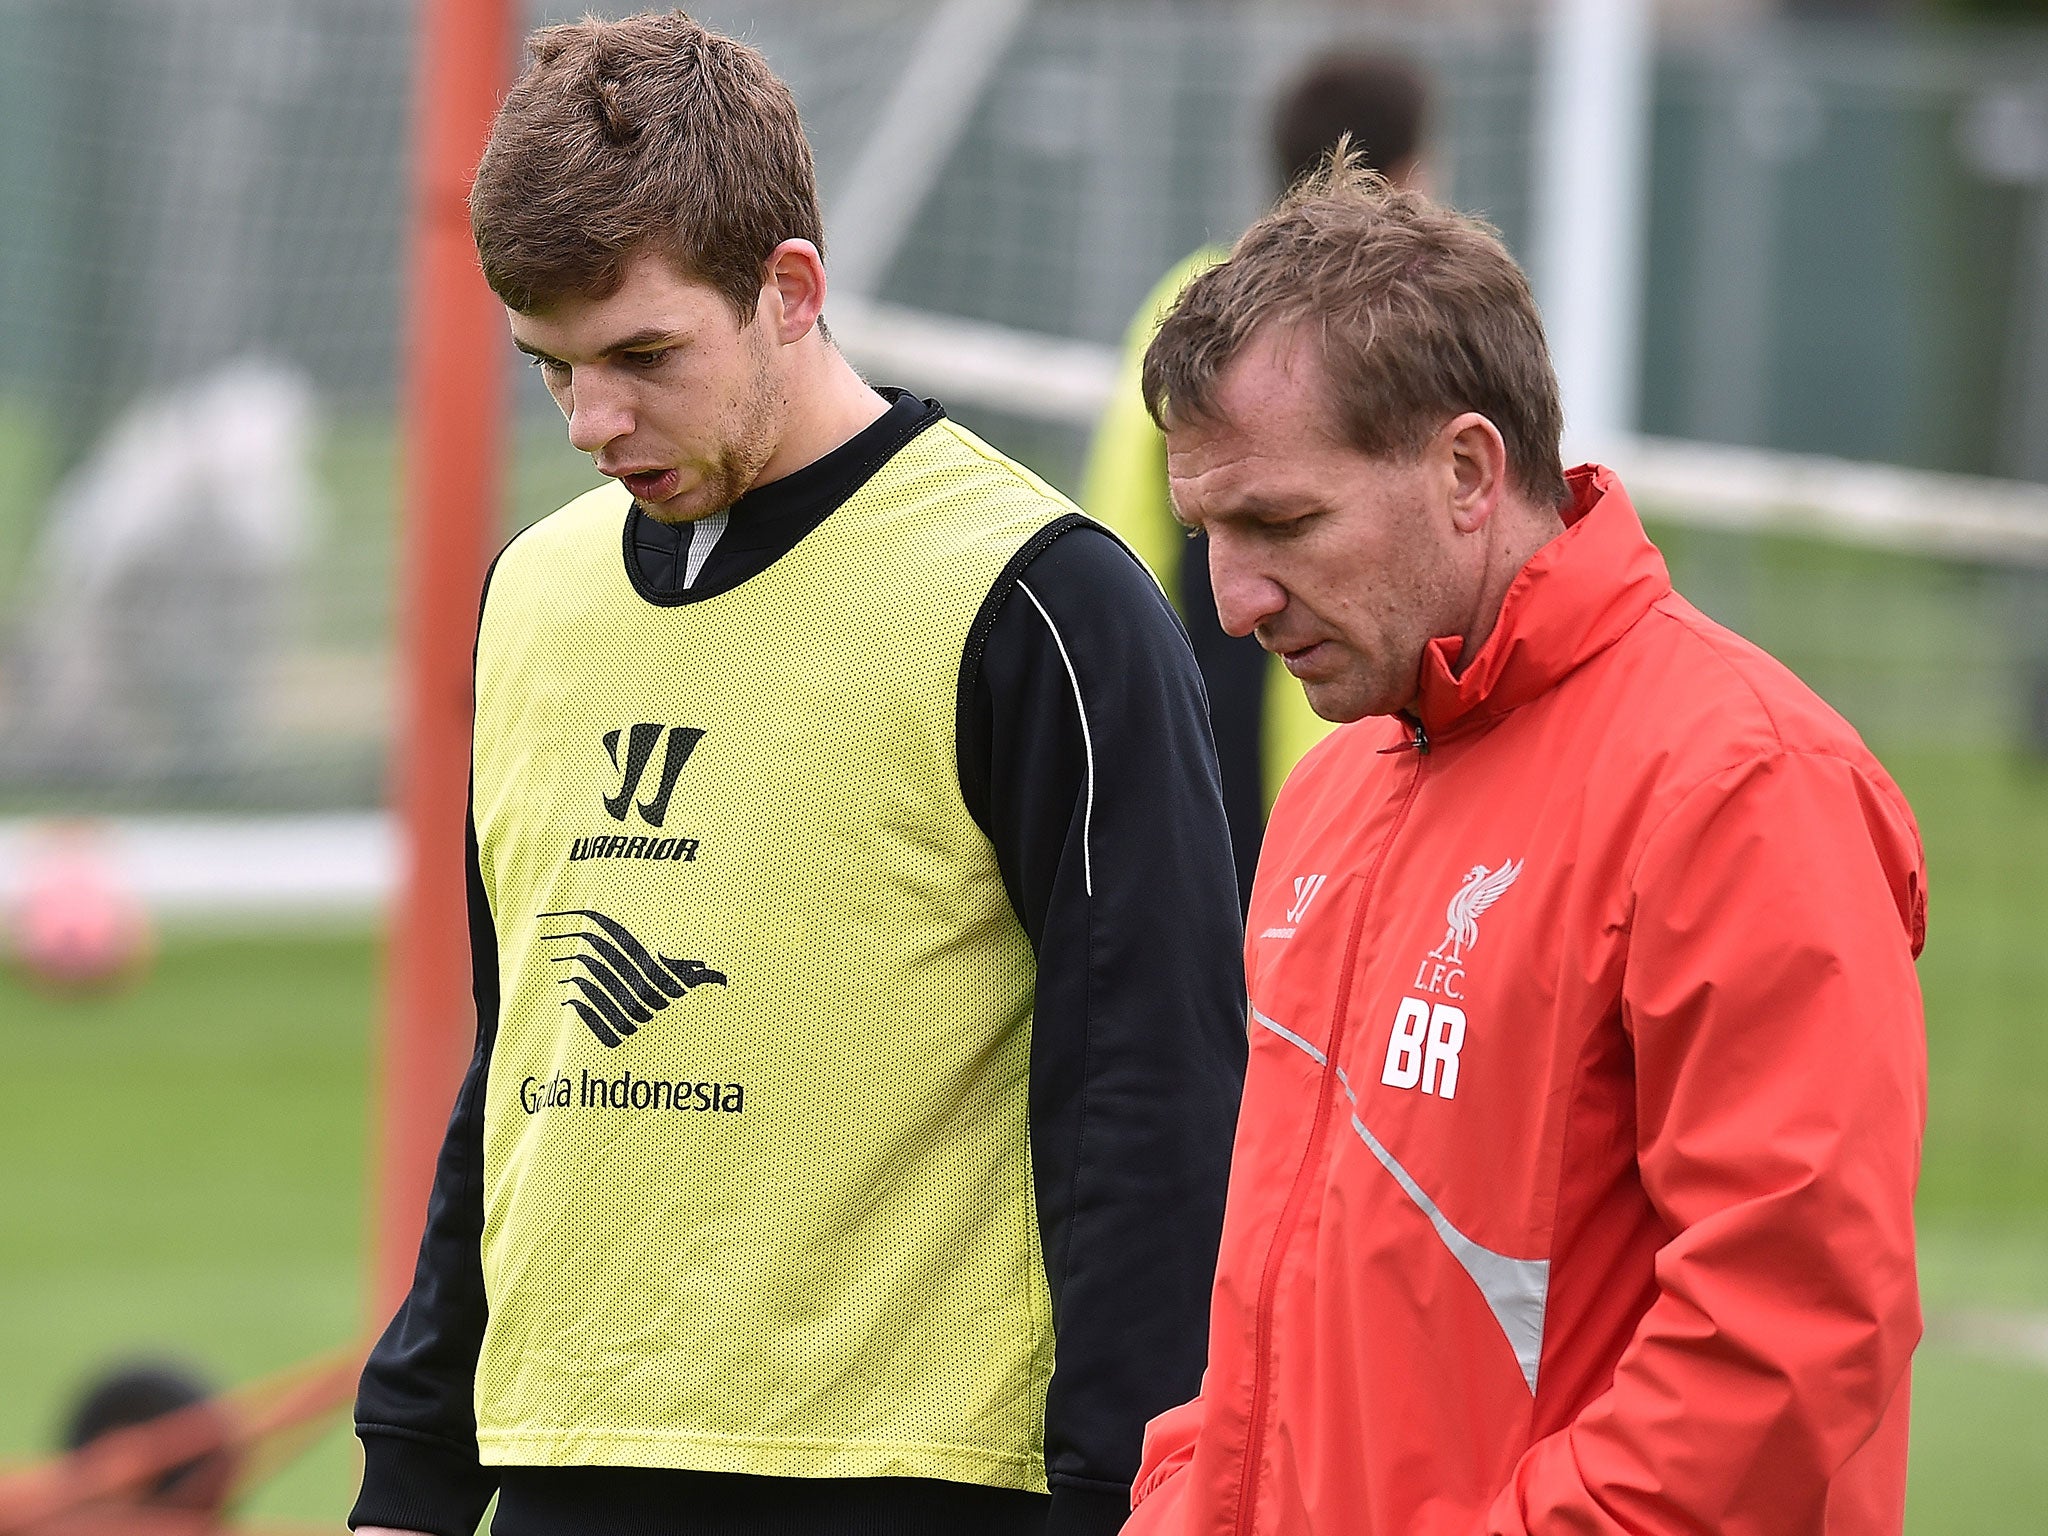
(1573, 1182)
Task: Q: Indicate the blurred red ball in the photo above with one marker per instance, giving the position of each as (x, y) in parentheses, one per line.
(75, 927)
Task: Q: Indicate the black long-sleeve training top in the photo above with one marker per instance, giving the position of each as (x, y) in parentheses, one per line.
(1084, 756)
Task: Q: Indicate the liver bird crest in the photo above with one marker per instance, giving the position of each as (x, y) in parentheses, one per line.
(1482, 888)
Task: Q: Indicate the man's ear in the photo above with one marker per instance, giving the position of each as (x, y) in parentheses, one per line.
(1478, 460)
(792, 291)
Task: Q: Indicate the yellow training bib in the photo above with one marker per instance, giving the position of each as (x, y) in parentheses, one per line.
(757, 1187)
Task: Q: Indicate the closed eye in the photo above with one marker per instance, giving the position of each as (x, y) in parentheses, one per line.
(1287, 525)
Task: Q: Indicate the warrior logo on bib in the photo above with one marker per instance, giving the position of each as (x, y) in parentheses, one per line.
(640, 744)
(618, 982)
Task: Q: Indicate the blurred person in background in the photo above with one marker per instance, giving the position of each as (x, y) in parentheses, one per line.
(1573, 1187)
(129, 1396)
(1259, 719)
(158, 602)
(856, 955)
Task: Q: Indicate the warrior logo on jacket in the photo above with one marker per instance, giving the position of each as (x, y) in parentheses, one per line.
(1306, 889)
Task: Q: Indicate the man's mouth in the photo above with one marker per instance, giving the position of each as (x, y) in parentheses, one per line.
(650, 484)
(1303, 659)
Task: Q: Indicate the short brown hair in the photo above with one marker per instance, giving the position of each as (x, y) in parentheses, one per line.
(649, 133)
(1419, 312)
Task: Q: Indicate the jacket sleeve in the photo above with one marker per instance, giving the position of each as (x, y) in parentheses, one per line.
(1086, 757)
(1781, 1092)
(415, 1408)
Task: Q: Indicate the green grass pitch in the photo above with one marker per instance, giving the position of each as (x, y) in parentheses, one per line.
(182, 1175)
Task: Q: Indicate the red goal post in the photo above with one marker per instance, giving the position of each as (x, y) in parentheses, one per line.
(453, 343)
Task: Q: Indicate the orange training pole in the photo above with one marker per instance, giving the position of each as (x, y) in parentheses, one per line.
(454, 341)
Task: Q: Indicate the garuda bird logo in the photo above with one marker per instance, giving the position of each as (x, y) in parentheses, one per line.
(1482, 888)
(619, 982)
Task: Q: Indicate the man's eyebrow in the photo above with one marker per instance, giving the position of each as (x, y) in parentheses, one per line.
(645, 340)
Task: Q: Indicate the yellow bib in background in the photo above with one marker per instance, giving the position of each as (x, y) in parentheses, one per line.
(757, 1187)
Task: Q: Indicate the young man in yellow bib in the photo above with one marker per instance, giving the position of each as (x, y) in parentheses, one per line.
(860, 1012)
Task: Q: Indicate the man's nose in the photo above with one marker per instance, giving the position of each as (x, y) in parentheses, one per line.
(1246, 596)
(597, 414)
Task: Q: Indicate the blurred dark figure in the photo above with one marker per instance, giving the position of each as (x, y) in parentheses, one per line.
(1380, 99)
(1261, 720)
(141, 1394)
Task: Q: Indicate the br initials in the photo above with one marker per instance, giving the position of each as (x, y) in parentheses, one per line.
(1423, 1051)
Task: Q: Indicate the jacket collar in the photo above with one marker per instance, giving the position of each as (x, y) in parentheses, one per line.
(1577, 595)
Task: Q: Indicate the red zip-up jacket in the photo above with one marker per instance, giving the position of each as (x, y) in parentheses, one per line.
(1573, 1182)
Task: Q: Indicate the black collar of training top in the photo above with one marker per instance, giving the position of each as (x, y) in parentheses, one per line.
(772, 519)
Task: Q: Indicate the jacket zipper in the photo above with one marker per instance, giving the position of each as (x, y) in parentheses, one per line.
(1290, 1213)
(1417, 742)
